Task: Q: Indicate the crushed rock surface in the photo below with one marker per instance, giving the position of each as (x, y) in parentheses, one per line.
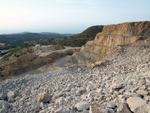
(109, 85)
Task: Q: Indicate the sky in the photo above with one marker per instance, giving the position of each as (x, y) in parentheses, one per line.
(68, 16)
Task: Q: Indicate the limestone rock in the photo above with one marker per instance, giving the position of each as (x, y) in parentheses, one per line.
(59, 100)
(142, 92)
(81, 90)
(143, 109)
(122, 34)
(123, 108)
(131, 94)
(147, 97)
(117, 86)
(10, 94)
(96, 108)
(43, 97)
(105, 45)
(135, 103)
(73, 91)
(36, 107)
(111, 105)
(82, 105)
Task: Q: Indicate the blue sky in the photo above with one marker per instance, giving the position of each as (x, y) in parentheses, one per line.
(68, 16)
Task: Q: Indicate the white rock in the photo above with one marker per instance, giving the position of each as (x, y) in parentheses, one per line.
(43, 97)
(135, 102)
(59, 101)
(147, 97)
(111, 105)
(89, 88)
(142, 92)
(81, 90)
(82, 105)
(62, 110)
(116, 86)
(99, 91)
(131, 94)
(10, 94)
(96, 108)
(73, 91)
(36, 107)
(143, 109)
(123, 108)
(91, 93)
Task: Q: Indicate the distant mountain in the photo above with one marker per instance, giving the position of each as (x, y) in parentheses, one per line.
(25, 39)
(14, 40)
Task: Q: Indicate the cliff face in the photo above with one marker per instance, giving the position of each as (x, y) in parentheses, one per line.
(111, 41)
(121, 34)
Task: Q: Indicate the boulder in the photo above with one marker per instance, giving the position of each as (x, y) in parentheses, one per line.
(136, 103)
(116, 86)
(81, 91)
(82, 105)
(59, 100)
(96, 108)
(43, 97)
(142, 92)
(36, 107)
(111, 105)
(10, 94)
(123, 108)
(143, 109)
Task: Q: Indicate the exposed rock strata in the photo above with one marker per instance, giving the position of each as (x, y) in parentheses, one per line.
(111, 41)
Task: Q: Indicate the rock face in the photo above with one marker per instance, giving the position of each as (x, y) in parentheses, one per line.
(122, 34)
(109, 43)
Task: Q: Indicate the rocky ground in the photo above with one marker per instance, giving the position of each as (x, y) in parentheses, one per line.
(122, 85)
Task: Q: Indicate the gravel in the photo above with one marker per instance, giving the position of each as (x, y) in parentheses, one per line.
(109, 85)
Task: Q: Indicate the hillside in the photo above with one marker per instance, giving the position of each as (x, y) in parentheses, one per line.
(25, 39)
(45, 38)
(82, 38)
(74, 40)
